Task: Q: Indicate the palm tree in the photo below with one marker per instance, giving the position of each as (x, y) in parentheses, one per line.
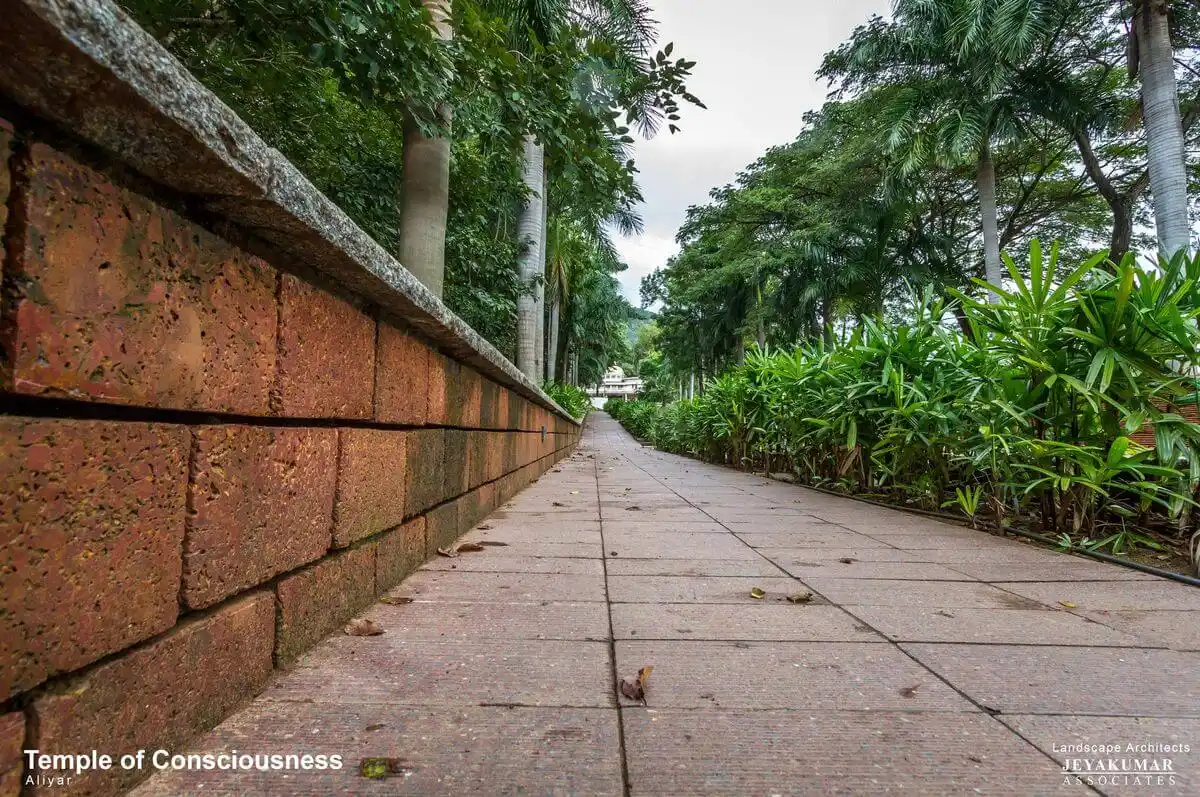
(950, 70)
(425, 181)
(1152, 58)
(624, 24)
(530, 234)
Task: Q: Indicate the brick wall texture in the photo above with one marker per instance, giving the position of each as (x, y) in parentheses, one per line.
(244, 461)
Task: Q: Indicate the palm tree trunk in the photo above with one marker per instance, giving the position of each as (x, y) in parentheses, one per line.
(1164, 127)
(552, 349)
(425, 185)
(528, 232)
(987, 208)
(541, 269)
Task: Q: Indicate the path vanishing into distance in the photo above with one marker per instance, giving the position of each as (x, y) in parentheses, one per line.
(929, 659)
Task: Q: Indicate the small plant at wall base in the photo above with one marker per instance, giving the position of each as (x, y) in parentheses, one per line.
(1062, 409)
(571, 398)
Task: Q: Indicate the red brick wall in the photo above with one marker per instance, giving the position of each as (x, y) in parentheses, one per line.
(243, 460)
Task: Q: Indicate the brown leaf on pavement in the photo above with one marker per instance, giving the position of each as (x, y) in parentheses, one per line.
(450, 552)
(492, 544)
(484, 527)
(909, 691)
(388, 599)
(633, 508)
(800, 597)
(1068, 604)
(846, 560)
(635, 688)
(557, 503)
(469, 547)
(361, 626)
(757, 593)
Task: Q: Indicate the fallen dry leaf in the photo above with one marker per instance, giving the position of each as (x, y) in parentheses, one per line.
(381, 768)
(447, 552)
(493, 544)
(633, 508)
(469, 547)
(800, 597)
(484, 527)
(757, 593)
(1068, 604)
(360, 626)
(635, 688)
(375, 726)
(909, 691)
(846, 560)
(943, 613)
(388, 599)
(557, 503)
(975, 758)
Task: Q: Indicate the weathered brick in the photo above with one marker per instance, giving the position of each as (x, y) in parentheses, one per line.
(475, 506)
(317, 600)
(441, 527)
(159, 695)
(372, 464)
(477, 459)
(398, 553)
(326, 355)
(500, 413)
(437, 403)
(261, 504)
(12, 742)
(489, 395)
(401, 381)
(456, 462)
(425, 479)
(120, 300)
(91, 521)
(6, 137)
(468, 394)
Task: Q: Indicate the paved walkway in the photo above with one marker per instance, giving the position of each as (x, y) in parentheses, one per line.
(931, 659)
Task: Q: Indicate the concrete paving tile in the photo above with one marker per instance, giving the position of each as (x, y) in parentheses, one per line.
(690, 589)
(936, 594)
(475, 620)
(668, 526)
(808, 557)
(830, 537)
(1112, 596)
(399, 670)
(1014, 554)
(445, 751)
(638, 512)
(990, 626)
(906, 571)
(1178, 630)
(692, 567)
(1067, 568)
(1130, 741)
(557, 516)
(766, 621)
(492, 561)
(674, 545)
(965, 540)
(738, 753)
(811, 676)
(429, 585)
(562, 550)
(800, 525)
(1069, 680)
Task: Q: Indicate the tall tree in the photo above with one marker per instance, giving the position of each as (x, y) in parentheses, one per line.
(425, 182)
(530, 235)
(1152, 58)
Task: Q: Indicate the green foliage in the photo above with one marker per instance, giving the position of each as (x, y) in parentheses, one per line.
(570, 398)
(333, 85)
(1032, 413)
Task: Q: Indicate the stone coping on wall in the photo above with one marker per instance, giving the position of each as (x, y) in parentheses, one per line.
(88, 68)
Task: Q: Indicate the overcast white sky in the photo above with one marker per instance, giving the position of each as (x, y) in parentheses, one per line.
(755, 65)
